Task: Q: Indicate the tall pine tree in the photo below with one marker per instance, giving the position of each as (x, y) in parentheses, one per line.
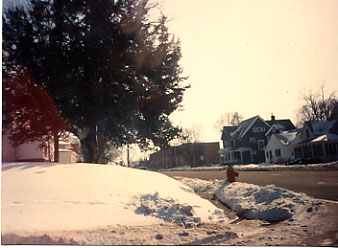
(113, 73)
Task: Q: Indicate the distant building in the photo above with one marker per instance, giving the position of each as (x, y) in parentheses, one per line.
(246, 142)
(190, 154)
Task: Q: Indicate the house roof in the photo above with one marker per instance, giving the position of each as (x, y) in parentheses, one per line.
(325, 137)
(227, 130)
(246, 124)
(235, 132)
(287, 124)
(323, 127)
(286, 137)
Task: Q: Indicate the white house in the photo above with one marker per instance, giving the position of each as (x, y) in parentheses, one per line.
(280, 147)
(69, 150)
(28, 152)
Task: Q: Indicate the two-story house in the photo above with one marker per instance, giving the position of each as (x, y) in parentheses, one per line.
(245, 143)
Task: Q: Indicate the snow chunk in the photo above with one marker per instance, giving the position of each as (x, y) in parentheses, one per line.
(167, 209)
(199, 185)
(265, 203)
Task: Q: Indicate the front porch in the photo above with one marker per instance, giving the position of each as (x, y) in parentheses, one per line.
(323, 148)
(242, 155)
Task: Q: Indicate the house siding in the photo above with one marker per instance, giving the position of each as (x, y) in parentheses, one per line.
(259, 157)
(33, 152)
(27, 152)
(274, 144)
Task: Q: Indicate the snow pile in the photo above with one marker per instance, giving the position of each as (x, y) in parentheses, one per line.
(199, 185)
(265, 203)
(45, 196)
(263, 167)
(250, 201)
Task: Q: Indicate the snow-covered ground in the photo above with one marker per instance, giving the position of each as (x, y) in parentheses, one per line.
(100, 204)
(44, 196)
(261, 167)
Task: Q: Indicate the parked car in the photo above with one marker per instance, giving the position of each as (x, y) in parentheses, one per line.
(303, 161)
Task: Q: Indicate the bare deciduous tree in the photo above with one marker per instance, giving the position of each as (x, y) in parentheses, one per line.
(236, 119)
(193, 134)
(223, 120)
(318, 106)
(228, 119)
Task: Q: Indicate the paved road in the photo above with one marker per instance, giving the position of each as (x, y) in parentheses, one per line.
(319, 184)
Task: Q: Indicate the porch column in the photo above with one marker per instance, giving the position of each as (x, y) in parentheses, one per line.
(324, 151)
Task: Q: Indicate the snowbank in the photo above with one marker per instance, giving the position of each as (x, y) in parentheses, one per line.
(45, 196)
(262, 167)
(265, 203)
(255, 202)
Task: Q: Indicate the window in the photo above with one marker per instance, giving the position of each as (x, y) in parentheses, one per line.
(45, 152)
(261, 144)
(277, 152)
(252, 140)
(258, 129)
(267, 154)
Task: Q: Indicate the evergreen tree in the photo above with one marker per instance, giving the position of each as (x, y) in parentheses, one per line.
(112, 72)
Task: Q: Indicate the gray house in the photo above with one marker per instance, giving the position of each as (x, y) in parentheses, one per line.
(245, 143)
(318, 140)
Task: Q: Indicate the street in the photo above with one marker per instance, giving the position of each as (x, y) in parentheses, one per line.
(318, 184)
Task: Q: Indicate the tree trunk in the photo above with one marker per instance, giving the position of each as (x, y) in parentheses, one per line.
(89, 147)
(56, 147)
(100, 145)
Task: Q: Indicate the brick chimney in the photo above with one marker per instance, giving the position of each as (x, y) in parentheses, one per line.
(273, 118)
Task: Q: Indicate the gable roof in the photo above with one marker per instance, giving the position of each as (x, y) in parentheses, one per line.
(249, 123)
(227, 130)
(235, 132)
(286, 138)
(323, 127)
(287, 124)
